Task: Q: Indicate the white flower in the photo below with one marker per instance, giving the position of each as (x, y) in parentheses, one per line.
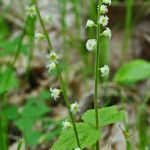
(107, 33)
(52, 57)
(91, 44)
(51, 66)
(55, 93)
(90, 23)
(31, 11)
(66, 125)
(48, 18)
(107, 2)
(104, 70)
(103, 20)
(39, 36)
(74, 108)
(77, 148)
(103, 9)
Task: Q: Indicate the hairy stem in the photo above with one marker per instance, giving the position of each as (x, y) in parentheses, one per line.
(96, 74)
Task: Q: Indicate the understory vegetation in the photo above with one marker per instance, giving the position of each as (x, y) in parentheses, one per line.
(74, 75)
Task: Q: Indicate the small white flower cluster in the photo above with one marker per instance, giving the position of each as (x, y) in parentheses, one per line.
(31, 11)
(66, 125)
(55, 93)
(103, 19)
(52, 59)
(39, 36)
(48, 18)
(74, 108)
(104, 71)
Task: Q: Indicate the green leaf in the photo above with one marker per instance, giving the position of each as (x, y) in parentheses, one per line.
(4, 26)
(32, 138)
(8, 80)
(88, 135)
(107, 116)
(9, 47)
(136, 70)
(44, 95)
(35, 110)
(11, 112)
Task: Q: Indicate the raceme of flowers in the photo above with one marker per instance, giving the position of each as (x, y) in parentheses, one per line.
(103, 22)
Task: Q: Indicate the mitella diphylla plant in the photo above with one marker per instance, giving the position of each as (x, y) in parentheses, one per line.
(85, 134)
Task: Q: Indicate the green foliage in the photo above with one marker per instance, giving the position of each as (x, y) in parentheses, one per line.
(87, 131)
(107, 116)
(4, 27)
(8, 80)
(9, 47)
(88, 135)
(142, 125)
(136, 70)
(33, 112)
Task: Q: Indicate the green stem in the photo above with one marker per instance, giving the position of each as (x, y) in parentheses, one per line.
(20, 142)
(128, 29)
(96, 74)
(43, 26)
(68, 105)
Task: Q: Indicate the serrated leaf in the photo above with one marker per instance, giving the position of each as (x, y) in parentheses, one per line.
(107, 116)
(88, 135)
(136, 70)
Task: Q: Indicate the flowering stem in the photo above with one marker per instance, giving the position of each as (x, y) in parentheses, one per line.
(96, 74)
(68, 105)
(43, 26)
(60, 78)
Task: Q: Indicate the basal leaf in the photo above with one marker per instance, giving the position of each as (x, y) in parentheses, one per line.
(88, 135)
(136, 70)
(107, 116)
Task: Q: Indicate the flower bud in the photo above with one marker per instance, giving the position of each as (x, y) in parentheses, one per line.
(107, 33)
(104, 70)
(90, 23)
(77, 148)
(103, 9)
(31, 11)
(51, 66)
(74, 108)
(39, 36)
(66, 125)
(107, 2)
(91, 44)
